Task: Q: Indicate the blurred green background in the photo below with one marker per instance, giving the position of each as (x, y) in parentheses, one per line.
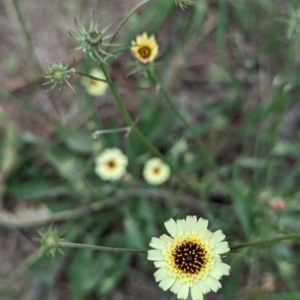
(231, 68)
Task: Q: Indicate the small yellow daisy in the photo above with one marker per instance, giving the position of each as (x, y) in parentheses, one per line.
(111, 164)
(145, 48)
(95, 87)
(189, 261)
(156, 171)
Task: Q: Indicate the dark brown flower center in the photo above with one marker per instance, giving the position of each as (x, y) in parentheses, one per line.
(145, 52)
(94, 82)
(111, 164)
(156, 170)
(189, 257)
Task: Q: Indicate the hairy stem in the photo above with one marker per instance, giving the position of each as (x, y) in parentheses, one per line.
(267, 241)
(122, 86)
(202, 147)
(131, 123)
(100, 248)
(130, 250)
(125, 20)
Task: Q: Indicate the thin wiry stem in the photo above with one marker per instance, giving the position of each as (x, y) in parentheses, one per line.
(267, 241)
(91, 77)
(177, 112)
(113, 130)
(100, 248)
(140, 135)
(122, 195)
(130, 250)
(125, 20)
(118, 85)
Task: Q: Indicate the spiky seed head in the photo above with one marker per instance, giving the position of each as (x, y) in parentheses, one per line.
(58, 73)
(49, 240)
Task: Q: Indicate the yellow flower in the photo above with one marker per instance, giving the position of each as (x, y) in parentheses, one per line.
(111, 164)
(189, 261)
(95, 87)
(156, 171)
(144, 48)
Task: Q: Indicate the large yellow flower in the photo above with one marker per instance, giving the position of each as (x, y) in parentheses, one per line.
(189, 261)
(144, 48)
(111, 164)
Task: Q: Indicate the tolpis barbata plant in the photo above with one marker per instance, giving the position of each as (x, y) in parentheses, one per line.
(189, 261)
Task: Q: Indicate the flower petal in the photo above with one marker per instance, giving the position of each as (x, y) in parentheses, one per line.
(171, 227)
(166, 283)
(217, 237)
(181, 226)
(207, 234)
(202, 226)
(221, 248)
(213, 283)
(176, 286)
(196, 292)
(224, 268)
(166, 238)
(161, 274)
(191, 223)
(155, 255)
(204, 287)
(216, 273)
(157, 243)
(183, 292)
(159, 264)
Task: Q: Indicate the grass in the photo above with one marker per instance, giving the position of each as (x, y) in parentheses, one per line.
(231, 72)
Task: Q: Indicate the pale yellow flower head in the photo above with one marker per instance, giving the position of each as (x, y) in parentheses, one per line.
(189, 261)
(144, 48)
(111, 164)
(95, 87)
(156, 171)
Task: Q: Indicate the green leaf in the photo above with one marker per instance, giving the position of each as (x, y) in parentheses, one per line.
(76, 140)
(87, 268)
(240, 193)
(9, 144)
(133, 233)
(38, 189)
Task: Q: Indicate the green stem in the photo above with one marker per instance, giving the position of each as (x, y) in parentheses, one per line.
(267, 241)
(131, 123)
(278, 111)
(176, 111)
(90, 76)
(130, 250)
(13, 221)
(100, 248)
(103, 80)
